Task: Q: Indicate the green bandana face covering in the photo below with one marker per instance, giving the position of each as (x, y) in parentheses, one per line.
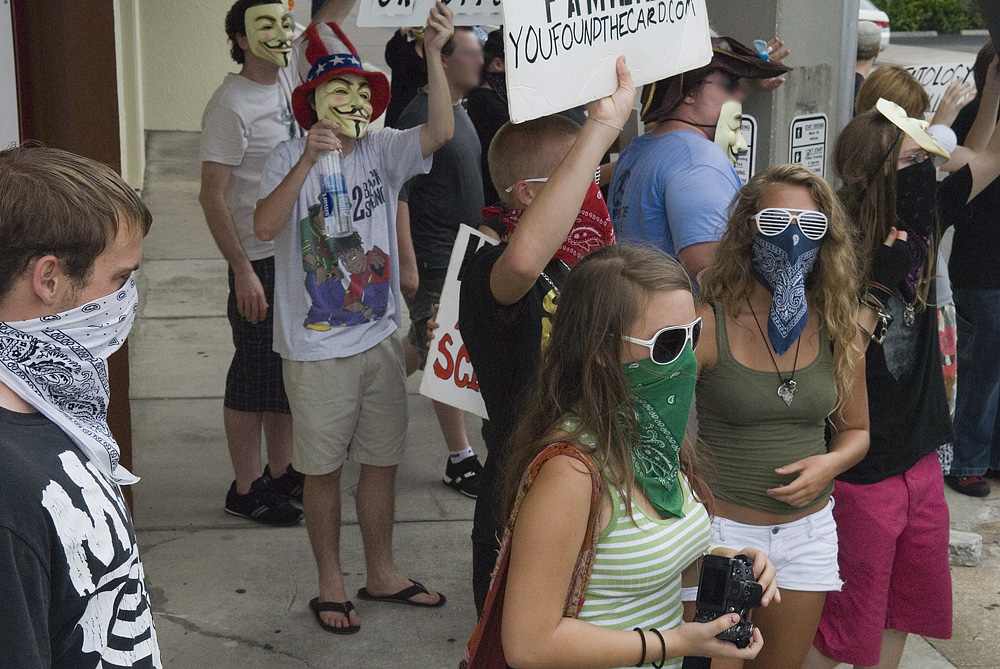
(663, 395)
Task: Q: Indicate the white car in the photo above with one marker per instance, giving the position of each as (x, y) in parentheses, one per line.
(869, 12)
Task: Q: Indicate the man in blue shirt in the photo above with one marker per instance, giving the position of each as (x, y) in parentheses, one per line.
(672, 186)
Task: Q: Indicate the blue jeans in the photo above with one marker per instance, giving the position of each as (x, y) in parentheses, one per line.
(977, 432)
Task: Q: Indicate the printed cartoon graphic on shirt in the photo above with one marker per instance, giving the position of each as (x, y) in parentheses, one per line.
(346, 283)
(91, 521)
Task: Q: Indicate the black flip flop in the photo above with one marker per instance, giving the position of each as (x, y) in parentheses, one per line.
(403, 596)
(343, 608)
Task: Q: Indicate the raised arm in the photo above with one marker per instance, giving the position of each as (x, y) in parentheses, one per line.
(986, 115)
(333, 11)
(985, 167)
(273, 211)
(440, 126)
(549, 218)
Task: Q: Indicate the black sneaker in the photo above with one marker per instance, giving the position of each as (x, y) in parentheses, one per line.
(973, 486)
(262, 504)
(290, 484)
(464, 476)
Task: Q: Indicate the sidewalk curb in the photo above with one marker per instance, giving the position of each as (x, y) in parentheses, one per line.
(914, 33)
(975, 32)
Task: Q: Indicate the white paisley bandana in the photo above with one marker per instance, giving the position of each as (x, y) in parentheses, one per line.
(58, 364)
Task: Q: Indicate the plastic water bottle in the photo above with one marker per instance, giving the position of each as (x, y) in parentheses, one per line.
(333, 196)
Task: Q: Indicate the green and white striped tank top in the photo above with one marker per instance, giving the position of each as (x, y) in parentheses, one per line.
(636, 580)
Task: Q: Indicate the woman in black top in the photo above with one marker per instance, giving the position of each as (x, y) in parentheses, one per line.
(891, 515)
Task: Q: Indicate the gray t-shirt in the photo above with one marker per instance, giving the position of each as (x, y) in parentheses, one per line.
(335, 298)
(450, 195)
(242, 123)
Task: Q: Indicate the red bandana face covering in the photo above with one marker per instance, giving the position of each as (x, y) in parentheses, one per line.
(591, 230)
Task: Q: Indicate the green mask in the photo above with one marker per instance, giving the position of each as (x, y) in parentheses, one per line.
(663, 395)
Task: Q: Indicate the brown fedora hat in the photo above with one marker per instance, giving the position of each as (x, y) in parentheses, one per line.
(661, 97)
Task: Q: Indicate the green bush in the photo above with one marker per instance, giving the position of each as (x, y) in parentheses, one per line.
(947, 16)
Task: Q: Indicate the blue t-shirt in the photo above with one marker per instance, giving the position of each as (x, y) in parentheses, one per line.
(672, 191)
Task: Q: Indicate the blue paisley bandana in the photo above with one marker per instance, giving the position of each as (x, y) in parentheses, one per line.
(781, 264)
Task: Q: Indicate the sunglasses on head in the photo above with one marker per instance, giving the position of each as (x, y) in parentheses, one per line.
(668, 344)
(773, 221)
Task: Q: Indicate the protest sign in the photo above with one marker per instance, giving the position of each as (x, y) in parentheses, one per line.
(936, 78)
(409, 13)
(448, 375)
(559, 54)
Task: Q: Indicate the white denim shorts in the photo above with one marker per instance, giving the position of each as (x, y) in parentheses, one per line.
(804, 551)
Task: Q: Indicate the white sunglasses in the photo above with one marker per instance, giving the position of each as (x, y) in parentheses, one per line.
(668, 343)
(538, 180)
(774, 220)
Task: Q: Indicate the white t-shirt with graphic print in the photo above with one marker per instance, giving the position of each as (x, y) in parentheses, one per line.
(334, 298)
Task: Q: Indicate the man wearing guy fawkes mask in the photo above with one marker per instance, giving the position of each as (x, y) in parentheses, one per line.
(247, 116)
(675, 165)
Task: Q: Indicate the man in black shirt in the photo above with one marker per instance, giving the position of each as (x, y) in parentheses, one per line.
(509, 291)
(438, 202)
(71, 583)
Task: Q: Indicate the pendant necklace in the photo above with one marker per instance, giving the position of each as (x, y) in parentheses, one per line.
(786, 391)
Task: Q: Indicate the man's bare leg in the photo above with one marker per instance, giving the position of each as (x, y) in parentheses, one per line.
(278, 440)
(321, 502)
(376, 500)
(243, 438)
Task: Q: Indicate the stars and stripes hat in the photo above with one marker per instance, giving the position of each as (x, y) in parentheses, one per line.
(327, 52)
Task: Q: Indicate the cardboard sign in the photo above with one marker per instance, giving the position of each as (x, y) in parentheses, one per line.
(409, 13)
(746, 162)
(560, 54)
(807, 142)
(936, 78)
(448, 376)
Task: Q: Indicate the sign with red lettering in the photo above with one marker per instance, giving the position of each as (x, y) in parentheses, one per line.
(449, 376)
(559, 54)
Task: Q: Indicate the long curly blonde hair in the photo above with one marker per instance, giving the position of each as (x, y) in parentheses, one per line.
(831, 286)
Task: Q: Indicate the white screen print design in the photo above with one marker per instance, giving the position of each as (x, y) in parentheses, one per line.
(117, 622)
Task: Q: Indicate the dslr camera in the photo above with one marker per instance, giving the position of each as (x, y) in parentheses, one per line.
(727, 585)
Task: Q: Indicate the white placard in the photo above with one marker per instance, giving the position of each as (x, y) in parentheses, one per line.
(407, 13)
(936, 78)
(746, 162)
(807, 142)
(448, 375)
(559, 54)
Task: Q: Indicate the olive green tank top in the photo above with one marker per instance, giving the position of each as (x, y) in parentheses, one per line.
(750, 431)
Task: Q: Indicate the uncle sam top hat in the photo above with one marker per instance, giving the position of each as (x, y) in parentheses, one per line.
(327, 52)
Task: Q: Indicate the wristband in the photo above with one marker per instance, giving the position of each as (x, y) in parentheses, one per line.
(597, 120)
(663, 646)
(643, 637)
